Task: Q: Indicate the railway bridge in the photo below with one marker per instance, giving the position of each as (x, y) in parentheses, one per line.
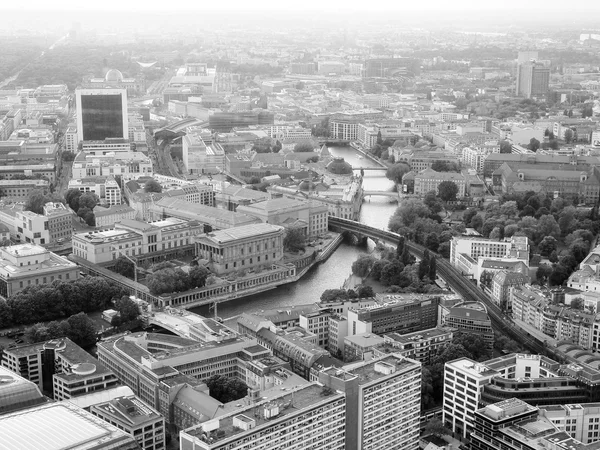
(455, 279)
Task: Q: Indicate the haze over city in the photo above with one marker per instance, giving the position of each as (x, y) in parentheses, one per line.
(317, 225)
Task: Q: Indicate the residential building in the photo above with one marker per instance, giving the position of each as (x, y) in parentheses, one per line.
(552, 161)
(580, 420)
(241, 248)
(61, 426)
(131, 415)
(309, 216)
(360, 346)
(294, 419)
(345, 124)
(502, 282)
(26, 265)
(101, 114)
(139, 240)
(60, 368)
(60, 222)
(463, 383)
(106, 188)
(429, 180)
(421, 346)
(532, 80)
(383, 402)
(419, 160)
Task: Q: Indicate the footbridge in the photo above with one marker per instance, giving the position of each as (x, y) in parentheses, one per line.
(369, 168)
(389, 194)
(452, 276)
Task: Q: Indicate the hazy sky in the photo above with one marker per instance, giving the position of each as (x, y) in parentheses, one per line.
(298, 5)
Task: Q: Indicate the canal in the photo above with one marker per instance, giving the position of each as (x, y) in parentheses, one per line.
(331, 274)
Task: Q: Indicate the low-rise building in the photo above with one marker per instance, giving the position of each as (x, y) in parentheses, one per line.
(129, 166)
(60, 368)
(429, 180)
(516, 247)
(61, 426)
(502, 282)
(421, 346)
(131, 415)
(18, 393)
(26, 265)
(18, 190)
(107, 217)
(241, 248)
(360, 346)
(470, 318)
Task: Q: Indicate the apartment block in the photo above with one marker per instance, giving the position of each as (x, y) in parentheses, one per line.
(516, 247)
(309, 417)
(429, 180)
(421, 346)
(470, 318)
(383, 402)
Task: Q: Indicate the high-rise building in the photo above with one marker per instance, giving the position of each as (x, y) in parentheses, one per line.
(383, 402)
(101, 114)
(533, 79)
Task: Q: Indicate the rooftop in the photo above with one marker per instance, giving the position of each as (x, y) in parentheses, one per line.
(130, 410)
(472, 368)
(242, 232)
(284, 403)
(370, 371)
(36, 429)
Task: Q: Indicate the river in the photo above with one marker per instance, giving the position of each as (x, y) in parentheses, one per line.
(332, 273)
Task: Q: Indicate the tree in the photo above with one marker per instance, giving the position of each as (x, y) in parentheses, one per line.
(90, 219)
(505, 147)
(128, 309)
(468, 216)
(197, 276)
(577, 303)
(534, 145)
(397, 171)
(400, 247)
(35, 201)
(82, 330)
(72, 198)
(365, 292)
(294, 240)
(406, 214)
(6, 319)
(277, 147)
(568, 136)
(226, 389)
(547, 226)
(362, 266)
(432, 242)
(436, 428)
(445, 166)
(447, 191)
(547, 245)
(424, 265)
(330, 295)
(377, 269)
(444, 249)
(304, 147)
(88, 200)
(152, 186)
(543, 273)
(124, 267)
(473, 343)
(391, 273)
(379, 138)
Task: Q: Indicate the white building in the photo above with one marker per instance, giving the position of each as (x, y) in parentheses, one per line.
(463, 383)
(199, 158)
(516, 247)
(130, 165)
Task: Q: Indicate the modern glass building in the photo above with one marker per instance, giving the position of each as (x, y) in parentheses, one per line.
(101, 114)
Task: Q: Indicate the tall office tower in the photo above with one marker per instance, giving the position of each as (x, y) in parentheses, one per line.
(383, 402)
(101, 114)
(533, 79)
(527, 56)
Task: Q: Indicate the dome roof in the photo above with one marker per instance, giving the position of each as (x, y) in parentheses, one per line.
(114, 76)
(339, 166)
(306, 185)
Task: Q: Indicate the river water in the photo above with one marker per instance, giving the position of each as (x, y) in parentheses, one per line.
(331, 274)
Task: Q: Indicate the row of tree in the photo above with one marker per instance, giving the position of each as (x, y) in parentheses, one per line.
(166, 278)
(83, 204)
(58, 300)
(79, 328)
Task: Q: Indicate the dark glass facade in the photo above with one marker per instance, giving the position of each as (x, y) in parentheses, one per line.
(102, 117)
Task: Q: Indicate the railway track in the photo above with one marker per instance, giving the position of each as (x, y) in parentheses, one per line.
(462, 286)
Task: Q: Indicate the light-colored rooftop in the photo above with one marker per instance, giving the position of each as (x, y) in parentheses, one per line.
(58, 426)
(243, 232)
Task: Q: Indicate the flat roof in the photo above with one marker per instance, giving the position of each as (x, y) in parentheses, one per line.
(36, 429)
(245, 231)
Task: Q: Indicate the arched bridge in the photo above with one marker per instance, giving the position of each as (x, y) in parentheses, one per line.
(451, 275)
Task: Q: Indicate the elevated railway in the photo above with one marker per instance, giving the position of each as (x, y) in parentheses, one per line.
(462, 286)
